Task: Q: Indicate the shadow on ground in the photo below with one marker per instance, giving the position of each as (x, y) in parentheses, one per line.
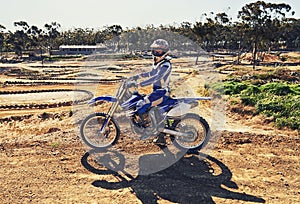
(193, 179)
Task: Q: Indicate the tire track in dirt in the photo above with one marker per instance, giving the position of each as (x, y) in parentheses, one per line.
(44, 105)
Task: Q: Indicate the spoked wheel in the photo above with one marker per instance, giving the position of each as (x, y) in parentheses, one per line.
(90, 131)
(197, 132)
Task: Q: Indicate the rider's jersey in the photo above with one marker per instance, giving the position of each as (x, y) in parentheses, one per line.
(159, 75)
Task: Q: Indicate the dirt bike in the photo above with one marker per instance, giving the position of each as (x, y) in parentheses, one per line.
(188, 131)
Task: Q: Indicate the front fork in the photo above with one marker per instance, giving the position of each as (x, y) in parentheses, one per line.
(109, 116)
(111, 111)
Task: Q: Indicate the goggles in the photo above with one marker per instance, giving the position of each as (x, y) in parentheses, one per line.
(157, 52)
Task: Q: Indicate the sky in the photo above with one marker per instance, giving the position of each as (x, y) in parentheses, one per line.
(127, 13)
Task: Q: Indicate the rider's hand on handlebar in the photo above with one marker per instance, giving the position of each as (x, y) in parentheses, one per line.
(134, 78)
(131, 84)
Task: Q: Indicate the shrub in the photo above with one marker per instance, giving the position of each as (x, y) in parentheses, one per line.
(277, 99)
(295, 88)
(286, 110)
(249, 100)
(280, 89)
(291, 122)
(229, 88)
(251, 90)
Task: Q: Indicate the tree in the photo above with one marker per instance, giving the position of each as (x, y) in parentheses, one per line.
(19, 39)
(260, 18)
(223, 30)
(100, 37)
(52, 33)
(291, 29)
(114, 32)
(238, 38)
(1, 38)
(214, 32)
(37, 37)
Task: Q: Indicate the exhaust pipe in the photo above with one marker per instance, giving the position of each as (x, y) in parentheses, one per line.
(173, 132)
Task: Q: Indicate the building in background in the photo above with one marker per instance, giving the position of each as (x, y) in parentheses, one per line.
(79, 49)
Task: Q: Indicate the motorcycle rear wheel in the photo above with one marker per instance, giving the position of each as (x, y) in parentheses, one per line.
(91, 135)
(198, 130)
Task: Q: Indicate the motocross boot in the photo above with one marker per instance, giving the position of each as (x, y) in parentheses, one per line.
(160, 140)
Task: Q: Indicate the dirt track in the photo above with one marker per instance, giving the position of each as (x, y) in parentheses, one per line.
(55, 168)
(43, 161)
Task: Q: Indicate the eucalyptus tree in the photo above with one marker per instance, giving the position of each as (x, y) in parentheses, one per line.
(113, 34)
(185, 29)
(198, 33)
(213, 32)
(239, 40)
(129, 40)
(100, 36)
(51, 34)
(19, 39)
(37, 37)
(260, 21)
(1, 38)
(291, 28)
(80, 36)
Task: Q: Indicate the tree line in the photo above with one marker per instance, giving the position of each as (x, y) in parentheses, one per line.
(260, 26)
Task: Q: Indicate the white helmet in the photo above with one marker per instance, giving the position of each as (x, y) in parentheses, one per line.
(160, 44)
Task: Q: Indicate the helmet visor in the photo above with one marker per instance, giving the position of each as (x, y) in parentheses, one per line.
(158, 52)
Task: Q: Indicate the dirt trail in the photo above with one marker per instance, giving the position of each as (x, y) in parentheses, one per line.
(54, 167)
(43, 161)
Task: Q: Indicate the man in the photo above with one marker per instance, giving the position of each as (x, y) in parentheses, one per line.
(159, 77)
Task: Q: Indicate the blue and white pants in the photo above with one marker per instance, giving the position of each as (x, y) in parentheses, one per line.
(154, 99)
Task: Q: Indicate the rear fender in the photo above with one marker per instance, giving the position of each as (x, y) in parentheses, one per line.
(179, 110)
(184, 105)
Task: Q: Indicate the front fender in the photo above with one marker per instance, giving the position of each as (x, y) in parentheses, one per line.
(103, 98)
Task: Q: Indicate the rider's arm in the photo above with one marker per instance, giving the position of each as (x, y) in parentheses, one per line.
(158, 76)
(145, 74)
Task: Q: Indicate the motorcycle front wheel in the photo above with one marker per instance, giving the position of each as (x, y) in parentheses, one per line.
(91, 135)
(197, 130)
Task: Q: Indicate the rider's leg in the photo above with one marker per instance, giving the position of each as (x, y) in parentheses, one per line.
(151, 100)
(160, 139)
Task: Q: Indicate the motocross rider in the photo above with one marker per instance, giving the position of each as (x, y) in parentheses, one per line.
(159, 77)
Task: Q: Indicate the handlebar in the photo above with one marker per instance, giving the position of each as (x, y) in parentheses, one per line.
(131, 82)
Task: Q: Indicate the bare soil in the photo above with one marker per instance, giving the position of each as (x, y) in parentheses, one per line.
(44, 161)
